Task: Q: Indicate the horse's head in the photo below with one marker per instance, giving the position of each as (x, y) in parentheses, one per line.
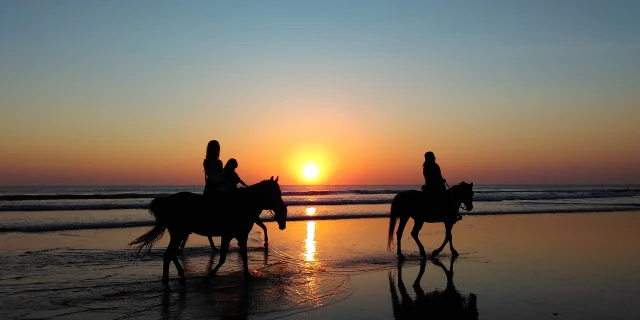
(273, 201)
(464, 193)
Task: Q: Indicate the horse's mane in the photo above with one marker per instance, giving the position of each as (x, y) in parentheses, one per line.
(461, 184)
(261, 183)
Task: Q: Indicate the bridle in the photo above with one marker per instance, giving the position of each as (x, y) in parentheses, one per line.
(462, 206)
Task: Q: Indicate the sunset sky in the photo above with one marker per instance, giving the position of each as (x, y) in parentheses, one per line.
(130, 92)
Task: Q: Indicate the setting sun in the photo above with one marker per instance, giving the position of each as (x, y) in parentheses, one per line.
(310, 171)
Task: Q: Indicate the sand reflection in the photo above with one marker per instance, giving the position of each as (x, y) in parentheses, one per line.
(310, 242)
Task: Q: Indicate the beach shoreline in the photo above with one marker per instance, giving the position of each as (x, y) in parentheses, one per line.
(524, 266)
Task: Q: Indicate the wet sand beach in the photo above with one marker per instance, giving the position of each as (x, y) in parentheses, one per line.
(544, 266)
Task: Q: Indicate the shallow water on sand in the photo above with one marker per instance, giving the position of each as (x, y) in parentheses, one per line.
(521, 266)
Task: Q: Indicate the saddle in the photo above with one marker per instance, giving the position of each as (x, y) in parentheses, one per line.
(221, 200)
(439, 201)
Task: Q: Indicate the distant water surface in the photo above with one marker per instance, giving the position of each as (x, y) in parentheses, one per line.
(35, 209)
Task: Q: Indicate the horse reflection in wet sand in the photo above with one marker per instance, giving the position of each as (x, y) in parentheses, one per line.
(437, 304)
(412, 204)
(230, 215)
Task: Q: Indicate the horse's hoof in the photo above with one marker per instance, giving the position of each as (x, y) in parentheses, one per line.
(423, 254)
(401, 257)
(212, 273)
(182, 281)
(435, 253)
(266, 245)
(165, 281)
(454, 254)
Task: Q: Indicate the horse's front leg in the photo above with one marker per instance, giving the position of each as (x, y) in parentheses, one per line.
(213, 245)
(264, 229)
(446, 239)
(454, 253)
(414, 234)
(183, 243)
(242, 243)
(224, 248)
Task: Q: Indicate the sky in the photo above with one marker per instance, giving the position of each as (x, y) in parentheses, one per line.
(504, 92)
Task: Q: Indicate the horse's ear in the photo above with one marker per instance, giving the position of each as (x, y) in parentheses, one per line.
(278, 177)
(471, 184)
(271, 178)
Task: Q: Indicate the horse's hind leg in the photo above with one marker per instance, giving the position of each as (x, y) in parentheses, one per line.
(177, 263)
(170, 255)
(264, 229)
(414, 234)
(403, 223)
(224, 248)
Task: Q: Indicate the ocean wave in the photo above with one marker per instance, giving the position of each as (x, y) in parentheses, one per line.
(309, 193)
(17, 206)
(150, 222)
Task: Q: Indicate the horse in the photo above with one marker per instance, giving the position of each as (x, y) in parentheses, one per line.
(213, 245)
(440, 304)
(229, 215)
(413, 204)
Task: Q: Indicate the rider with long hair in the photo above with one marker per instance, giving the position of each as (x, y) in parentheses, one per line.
(213, 171)
(214, 181)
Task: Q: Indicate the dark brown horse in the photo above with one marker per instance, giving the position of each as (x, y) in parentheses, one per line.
(437, 304)
(229, 215)
(412, 204)
(213, 245)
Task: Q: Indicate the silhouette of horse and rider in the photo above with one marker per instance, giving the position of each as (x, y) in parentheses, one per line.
(219, 179)
(438, 304)
(435, 203)
(227, 211)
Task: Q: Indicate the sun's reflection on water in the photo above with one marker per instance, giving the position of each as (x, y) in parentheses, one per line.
(310, 211)
(310, 242)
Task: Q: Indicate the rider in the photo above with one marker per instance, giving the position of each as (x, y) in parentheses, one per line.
(214, 181)
(213, 172)
(231, 176)
(434, 184)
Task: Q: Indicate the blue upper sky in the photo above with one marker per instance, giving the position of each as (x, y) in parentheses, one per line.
(396, 65)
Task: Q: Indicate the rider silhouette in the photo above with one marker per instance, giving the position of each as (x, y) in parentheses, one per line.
(213, 172)
(214, 181)
(231, 176)
(434, 184)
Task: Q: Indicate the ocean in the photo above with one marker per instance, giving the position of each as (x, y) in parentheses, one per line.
(64, 255)
(41, 209)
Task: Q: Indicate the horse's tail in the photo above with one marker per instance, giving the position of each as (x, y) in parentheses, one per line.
(146, 241)
(393, 219)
